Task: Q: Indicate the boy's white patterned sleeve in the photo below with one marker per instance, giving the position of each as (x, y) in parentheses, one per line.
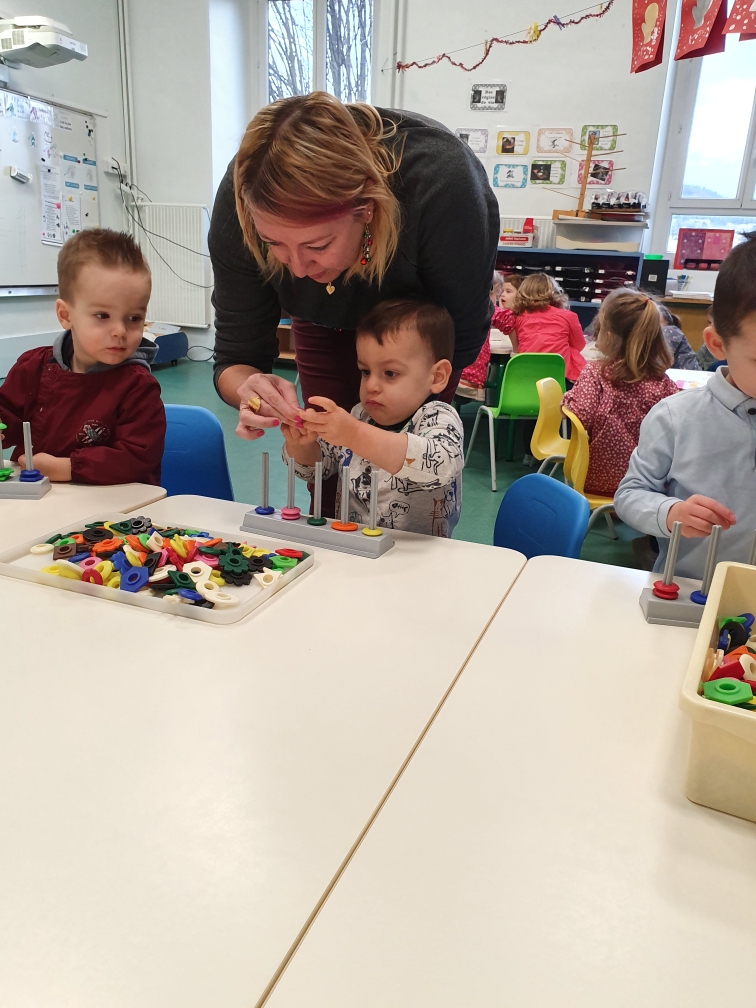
(435, 446)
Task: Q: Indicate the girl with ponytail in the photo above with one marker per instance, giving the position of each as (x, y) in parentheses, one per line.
(612, 396)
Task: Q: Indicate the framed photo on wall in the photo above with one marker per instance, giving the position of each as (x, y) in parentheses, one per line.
(554, 141)
(517, 143)
(488, 97)
(545, 172)
(510, 176)
(606, 139)
(600, 173)
(476, 139)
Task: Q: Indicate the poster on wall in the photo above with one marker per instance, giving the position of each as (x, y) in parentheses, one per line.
(605, 138)
(742, 17)
(701, 26)
(648, 34)
(513, 143)
(600, 173)
(488, 97)
(476, 139)
(554, 141)
(702, 248)
(548, 172)
(510, 176)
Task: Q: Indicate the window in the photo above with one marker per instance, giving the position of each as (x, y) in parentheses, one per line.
(320, 45)
(708, 177)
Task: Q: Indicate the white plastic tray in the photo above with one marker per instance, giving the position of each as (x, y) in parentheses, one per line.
(18, 562)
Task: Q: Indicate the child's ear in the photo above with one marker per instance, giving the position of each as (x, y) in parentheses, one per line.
(440, 374)
(62, 311)
(714, 343)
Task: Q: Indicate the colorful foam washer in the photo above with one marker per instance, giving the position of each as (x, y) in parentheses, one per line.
(45, 547)
(268, 577)
(92, 577)
(190, 595)
(727, 691)
(296, 554)
(132, 556)
(181, 580)
(283, 563)
(64, 550)
(197, 570)
(68, 570)
(90, 563)
(135, 579)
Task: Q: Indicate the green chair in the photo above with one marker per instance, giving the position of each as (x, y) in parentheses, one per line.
(518, 398)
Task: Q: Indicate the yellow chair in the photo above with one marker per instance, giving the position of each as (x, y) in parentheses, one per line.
(547, 444)
(576, 468)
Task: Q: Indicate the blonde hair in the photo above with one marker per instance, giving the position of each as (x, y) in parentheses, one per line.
(303, 157)
(538, 292)
(630, 335)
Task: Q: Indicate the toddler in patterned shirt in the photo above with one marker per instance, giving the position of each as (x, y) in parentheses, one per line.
(404, 351)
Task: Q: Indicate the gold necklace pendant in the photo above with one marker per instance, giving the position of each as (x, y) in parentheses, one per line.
(330, 288)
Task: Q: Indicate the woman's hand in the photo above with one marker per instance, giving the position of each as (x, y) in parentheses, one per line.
(278, 402)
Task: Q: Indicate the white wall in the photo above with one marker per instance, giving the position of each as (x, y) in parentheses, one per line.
(93, 85)
(571, 77)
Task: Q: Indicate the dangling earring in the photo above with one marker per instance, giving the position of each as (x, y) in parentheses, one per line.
(367, 241)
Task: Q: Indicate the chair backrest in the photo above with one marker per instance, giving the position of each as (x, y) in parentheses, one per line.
(519, 396)
(546, 438)
(578, 454)
(540, 516)
(194, 458)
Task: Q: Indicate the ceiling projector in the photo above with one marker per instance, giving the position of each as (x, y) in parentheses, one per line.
(38, 41)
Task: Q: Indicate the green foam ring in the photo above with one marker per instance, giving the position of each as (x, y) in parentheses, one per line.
(727, 691)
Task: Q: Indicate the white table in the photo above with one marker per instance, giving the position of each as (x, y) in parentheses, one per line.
(539, 851)
(692, 379)
(21, 520)
(175, 797)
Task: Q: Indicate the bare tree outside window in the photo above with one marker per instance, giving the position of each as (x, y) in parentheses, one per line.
(349, 32)
(343, 69)
(290, 44)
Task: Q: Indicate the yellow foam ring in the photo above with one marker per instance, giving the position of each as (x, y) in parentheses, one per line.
(247, 551)
(52, 569)
(372, 532)
(218, 580)
(260, 552)
(114, 582)
(104, 567)
(178, 545)
(131, 557)
(69, 570)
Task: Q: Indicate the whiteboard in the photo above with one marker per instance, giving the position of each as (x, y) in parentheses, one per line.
(55, 146)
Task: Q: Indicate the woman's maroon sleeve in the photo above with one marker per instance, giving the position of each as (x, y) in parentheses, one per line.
(136, 447)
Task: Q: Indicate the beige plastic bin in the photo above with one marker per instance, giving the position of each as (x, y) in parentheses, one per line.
(722, 757)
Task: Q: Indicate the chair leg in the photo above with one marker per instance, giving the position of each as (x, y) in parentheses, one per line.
(558, 459)
(472, 436)
(556, 466)
(510, 439)
(492, 449)
(604, 510)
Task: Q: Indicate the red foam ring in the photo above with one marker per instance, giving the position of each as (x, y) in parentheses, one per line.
(666, 591)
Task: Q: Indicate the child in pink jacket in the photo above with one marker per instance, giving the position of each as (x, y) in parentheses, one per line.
(543, 323)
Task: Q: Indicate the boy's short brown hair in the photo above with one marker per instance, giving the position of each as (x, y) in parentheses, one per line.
(112, 249)
(735, 289)
(432, 322)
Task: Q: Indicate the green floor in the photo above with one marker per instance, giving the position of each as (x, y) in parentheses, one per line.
(191, 383)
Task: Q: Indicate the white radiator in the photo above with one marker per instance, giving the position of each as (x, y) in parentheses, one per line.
(181, 279)
(546, 236)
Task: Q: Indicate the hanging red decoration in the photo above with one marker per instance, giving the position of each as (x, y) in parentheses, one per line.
(701, 24)
(649, 20)
(532, 34)
(742, 18)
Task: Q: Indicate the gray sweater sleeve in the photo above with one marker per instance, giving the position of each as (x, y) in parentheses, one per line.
(641, 500)
(247, 311)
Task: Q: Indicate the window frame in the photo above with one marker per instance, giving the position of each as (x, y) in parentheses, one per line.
(684, 80)
(319, 58)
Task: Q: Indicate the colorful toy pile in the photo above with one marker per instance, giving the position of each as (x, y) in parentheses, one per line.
(731, 676)
(181, 565)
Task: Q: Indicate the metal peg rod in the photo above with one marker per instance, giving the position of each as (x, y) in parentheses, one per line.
(671, 559)
(28, 451)
(265, 484)
(752, 557)
(344, 494)
(290, 485)
(711, 559)
(317, 502)
(373, 499)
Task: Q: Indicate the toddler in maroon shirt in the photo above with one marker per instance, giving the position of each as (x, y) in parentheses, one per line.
(94, 407)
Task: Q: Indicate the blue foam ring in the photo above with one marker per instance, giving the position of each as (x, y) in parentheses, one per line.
(121, 563)
(698, 597)
(265, 511)
(30, 476)
(188, 593)
(79, 557)
(134, 579)
(749, 620)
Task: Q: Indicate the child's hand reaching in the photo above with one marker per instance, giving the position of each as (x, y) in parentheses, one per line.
(698, 514)
(334, 425)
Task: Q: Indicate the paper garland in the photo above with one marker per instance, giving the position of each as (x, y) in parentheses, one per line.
(742, 17)
(701, 24)
(649, 20)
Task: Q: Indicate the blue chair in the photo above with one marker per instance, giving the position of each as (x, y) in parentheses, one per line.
(194, 458)
(540, 516)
